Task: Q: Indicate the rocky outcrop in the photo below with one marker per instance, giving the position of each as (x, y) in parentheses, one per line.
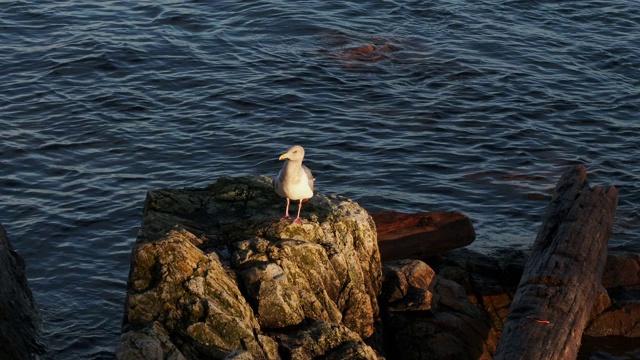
(490, 283)
(619, 315)
(417, 236)
(323, 339)
(19, 317)
(215, 274)
(617, 311)
(429, 317)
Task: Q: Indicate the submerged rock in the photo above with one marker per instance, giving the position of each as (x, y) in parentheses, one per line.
(19, 317)
(215, 274)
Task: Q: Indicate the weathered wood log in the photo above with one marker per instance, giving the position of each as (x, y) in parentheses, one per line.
(557, 290)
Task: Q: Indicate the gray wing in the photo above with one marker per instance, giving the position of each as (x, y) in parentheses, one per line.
(310, 177)
(277, 183)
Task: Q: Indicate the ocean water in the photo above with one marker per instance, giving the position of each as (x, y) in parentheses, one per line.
(473, 106)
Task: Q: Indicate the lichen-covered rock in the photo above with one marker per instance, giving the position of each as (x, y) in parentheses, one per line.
(217, 272)
(19, 317)
(151, 342)
(326, 340)
(192, 296)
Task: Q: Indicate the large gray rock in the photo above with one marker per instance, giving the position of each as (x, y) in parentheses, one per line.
(19, 317)
(215, 274)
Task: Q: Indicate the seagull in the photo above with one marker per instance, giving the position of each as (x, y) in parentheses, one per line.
(294, 182)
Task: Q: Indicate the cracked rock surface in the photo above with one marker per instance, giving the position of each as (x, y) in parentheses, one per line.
(215, 274)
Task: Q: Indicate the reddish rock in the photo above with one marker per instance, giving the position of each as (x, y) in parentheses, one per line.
(619, 314)
(406, 285)
(617, 321)
(366, 53)
(417, 236)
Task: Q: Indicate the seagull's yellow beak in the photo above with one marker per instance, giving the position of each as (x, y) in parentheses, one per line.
(283, 156)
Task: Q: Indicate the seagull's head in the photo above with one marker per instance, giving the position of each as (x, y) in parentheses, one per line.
(295, 153)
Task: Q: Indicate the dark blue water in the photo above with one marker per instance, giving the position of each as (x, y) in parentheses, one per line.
(475, 106)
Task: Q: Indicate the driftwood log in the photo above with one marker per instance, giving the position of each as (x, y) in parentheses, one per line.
(558, 288)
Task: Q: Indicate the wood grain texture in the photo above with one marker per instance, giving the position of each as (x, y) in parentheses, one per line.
(558, 288)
